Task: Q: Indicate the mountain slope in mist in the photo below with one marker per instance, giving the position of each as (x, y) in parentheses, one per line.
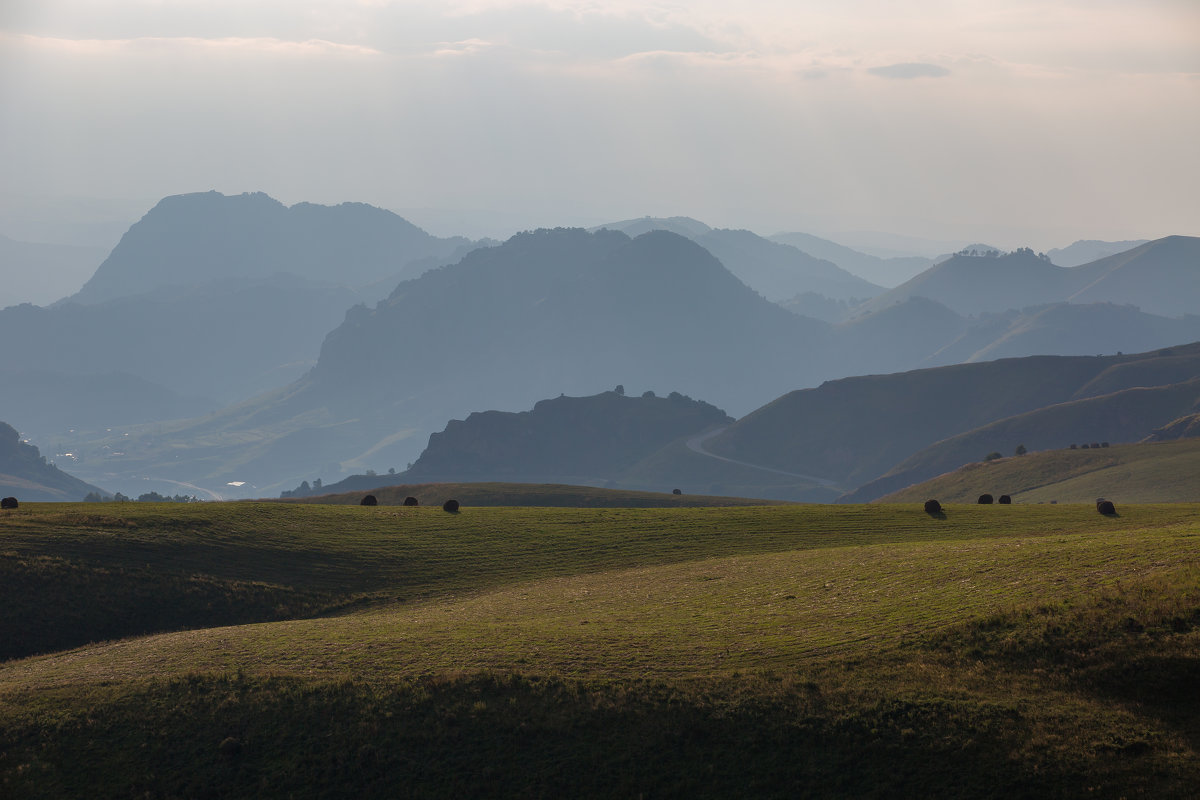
(546, 313)
(775, 270)
(193, 239)
(1161, 277)
(27, 475)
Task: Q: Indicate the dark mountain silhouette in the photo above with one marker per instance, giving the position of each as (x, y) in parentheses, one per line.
(854, 430)
(1161, 277)
(27, 475)
(887, 272)
(193, 239)
(776, 271)
(579, 440)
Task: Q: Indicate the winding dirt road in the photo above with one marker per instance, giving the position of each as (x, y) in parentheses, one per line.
(696, 445)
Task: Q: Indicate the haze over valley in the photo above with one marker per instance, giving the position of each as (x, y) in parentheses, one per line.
(262, 345)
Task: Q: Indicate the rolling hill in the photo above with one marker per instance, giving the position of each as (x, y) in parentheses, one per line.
(1128, 415)
(306, 650)
(854, 430)
(1160, 472)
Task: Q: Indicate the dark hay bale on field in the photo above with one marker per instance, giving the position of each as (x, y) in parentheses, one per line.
(1005, 500)
(986, 499)
(1106, 508)
(933, 507)
(450, 506)
(676, 491)
(369, 500)
(410, 501)
(8, 502)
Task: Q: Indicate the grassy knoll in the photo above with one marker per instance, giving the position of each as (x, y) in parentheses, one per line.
(550, 495)
(1158, 472)
(775, 651)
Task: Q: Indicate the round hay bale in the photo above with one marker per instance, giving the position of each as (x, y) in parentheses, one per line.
(676, 491)
(450, 506)
(8, 502)
(369, 500)
(1106, 508)
(410, 501)
(986, 499)
(933, 507)
(1005, 500)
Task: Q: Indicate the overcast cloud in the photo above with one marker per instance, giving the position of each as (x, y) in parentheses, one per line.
(1031, 122)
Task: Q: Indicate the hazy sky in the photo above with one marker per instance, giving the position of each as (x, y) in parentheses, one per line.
(1025, 122)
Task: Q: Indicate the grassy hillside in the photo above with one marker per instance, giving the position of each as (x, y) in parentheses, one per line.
(1159, 472)
(870, 651)
(1126, 416)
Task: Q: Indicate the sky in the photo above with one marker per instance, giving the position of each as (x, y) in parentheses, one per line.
(1011, 122)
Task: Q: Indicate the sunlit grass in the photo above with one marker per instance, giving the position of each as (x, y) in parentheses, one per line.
(864, 650)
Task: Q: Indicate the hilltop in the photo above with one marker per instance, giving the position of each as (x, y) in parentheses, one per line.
(776, 270)
(567, 439)
(194, 239)
(1159, 277)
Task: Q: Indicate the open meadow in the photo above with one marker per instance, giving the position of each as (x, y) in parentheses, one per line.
(280, 650)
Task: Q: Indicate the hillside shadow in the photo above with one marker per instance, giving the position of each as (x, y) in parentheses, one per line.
(1163, 687)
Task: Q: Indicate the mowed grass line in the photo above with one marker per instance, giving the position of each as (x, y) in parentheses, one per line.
(709, 616)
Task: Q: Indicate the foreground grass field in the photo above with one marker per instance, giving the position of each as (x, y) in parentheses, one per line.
(773, 651)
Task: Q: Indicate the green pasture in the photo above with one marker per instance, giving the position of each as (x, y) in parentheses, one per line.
(1152, 472)
(309, 650)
